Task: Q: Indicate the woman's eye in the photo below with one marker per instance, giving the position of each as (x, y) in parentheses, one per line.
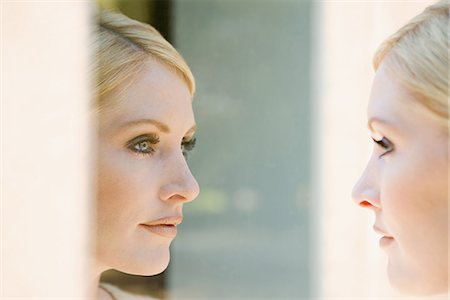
(143, 144)
(187, 146)
(143, 147)
(385, 144)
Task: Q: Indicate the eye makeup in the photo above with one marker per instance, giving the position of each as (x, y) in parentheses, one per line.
(143, 144)
(188, 145)
(385, 144)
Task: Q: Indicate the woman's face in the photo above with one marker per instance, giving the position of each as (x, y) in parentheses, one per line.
(143, 176)
(405, 185)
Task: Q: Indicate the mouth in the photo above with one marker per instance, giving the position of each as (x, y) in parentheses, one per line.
(165, 227)
(386, 239)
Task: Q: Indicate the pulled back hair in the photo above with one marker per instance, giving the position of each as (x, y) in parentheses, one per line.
(418, 55)
(122, 46)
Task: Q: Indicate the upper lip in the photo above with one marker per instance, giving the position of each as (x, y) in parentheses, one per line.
(381, 231)
(170, 220)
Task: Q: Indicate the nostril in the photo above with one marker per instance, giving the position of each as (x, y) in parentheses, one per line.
(365, 204)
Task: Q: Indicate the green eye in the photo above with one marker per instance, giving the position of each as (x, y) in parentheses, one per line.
(143, 144)
(143, 147)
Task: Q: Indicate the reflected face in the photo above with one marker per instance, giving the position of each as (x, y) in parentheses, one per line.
(405, 185)
(143, 176)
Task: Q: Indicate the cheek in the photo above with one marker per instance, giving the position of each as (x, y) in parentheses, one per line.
(414, 188)
(126, 191)
(415, 211)
(414, 201)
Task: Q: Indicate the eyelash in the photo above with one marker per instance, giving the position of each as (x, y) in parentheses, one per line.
(385, 144)
(188, 146)
(147, 140)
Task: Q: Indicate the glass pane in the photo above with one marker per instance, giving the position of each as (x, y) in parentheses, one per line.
(247, 235)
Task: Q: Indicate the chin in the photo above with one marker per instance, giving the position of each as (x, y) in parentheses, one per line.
(147, 270)
(422, 289)
(145, 264)
(408, 284)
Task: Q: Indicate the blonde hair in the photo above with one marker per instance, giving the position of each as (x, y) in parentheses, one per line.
(418, 55)
(122, 46)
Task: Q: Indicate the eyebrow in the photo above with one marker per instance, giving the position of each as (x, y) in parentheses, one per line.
(160, 125)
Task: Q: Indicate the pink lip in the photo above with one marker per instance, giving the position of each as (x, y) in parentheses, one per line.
(380, 231)
(166, 227)
(385, 240)
(172, 220)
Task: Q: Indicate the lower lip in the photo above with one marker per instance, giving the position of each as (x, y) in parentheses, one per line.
(168, 231)
(386, 241)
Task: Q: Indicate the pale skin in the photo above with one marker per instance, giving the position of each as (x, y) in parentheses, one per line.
(405, 184)
(143, 174)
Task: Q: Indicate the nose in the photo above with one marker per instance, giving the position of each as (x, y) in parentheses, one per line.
(179, 183)
(365, 193)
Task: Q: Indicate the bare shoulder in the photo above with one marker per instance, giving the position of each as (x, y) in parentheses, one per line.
(123, 295)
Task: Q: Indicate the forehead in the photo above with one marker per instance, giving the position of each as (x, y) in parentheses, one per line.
(393, 103)
(390, 100)
(156, 92)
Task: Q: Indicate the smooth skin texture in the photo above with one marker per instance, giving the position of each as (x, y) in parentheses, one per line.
(143, 174)
(406, 185)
